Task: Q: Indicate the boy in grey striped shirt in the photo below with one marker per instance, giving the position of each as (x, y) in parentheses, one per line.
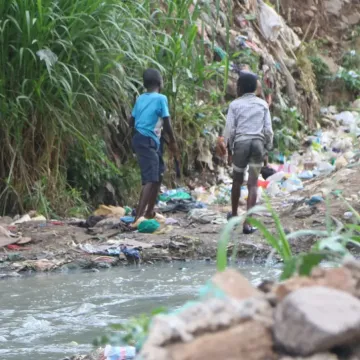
(248, 134)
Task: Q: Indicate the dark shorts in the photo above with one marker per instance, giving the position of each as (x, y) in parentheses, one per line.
(248, 152)
(149, 157)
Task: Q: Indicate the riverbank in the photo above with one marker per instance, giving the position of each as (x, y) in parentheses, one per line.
(61, 246)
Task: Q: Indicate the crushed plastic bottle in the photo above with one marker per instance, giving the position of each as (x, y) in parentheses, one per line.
(119, 353)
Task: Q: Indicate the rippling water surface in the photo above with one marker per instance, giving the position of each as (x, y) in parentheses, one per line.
(48, 317)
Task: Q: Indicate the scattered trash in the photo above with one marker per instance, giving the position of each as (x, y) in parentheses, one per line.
(148, 226)
(127, 219)
(316, 199)
(306, 175)
(38, 265)
(119, 353)
(205, 216)
(348, 215)
(22, 220)
(267, 171)
(171, 221)
(138, 222)
(177, 194)
(39, 218)
(173, 206)
(104, 210)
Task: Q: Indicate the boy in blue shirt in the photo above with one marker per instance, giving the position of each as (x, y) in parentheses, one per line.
(150, 114)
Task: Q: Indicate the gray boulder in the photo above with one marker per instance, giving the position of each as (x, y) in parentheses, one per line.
(316, 319)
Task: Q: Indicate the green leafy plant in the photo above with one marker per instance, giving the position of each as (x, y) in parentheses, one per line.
(69, 68)
(351, 79)
(331, 245)
(132, 332)
(321, 71)
(351, 60)
(287, 129)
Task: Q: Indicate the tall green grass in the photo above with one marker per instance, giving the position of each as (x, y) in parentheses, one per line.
(331, 244)
(69, 67)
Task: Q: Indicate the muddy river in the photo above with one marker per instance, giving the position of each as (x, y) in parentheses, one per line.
(49, 317)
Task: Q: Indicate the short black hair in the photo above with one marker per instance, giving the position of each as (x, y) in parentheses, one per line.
(247, 83)
(152, 79)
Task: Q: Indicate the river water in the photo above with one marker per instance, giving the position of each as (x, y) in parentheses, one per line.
(49, 317)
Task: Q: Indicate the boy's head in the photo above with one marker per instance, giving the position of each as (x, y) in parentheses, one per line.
(247, 83)
(153, 80)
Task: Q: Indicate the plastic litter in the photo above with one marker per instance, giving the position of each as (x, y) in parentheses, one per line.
(205, 216)
(292, 184)
(345, 118)
(110, 210)
(276, 177)
(127, 219)
(148, 226)
(271, 24)
(306, 175)
(22, 220)
(119, 353)
(128, 210)
(171, 221)
(316, 199)
(348, 215)
(177, 194)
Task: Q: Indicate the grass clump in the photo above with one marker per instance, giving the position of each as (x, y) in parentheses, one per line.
(68, 69)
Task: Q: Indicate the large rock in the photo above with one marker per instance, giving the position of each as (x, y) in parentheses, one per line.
(234, 285)
(339, 278)
(249, 341)
(322, 356)
(219, 321)
(354, 267)
(316, 319)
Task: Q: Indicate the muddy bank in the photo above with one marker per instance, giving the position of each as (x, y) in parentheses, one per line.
(60, 246)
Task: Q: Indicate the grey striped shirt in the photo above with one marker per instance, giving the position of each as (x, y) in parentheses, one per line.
(248, 118)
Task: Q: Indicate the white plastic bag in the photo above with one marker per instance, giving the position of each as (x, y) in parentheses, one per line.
(270, 22)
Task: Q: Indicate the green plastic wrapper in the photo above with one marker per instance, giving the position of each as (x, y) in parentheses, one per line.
(148, 226)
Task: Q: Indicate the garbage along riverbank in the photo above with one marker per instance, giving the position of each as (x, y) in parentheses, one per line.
(319, 182)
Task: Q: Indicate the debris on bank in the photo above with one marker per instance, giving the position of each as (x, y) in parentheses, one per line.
(323, 173)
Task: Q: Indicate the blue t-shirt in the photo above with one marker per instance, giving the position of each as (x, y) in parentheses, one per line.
(148, 112)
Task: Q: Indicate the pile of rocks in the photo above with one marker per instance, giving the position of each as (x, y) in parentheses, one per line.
(314, 318)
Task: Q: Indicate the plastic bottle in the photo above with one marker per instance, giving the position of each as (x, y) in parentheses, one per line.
(276, 177)
(119, 353)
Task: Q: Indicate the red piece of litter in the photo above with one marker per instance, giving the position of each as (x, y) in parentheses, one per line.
(17, 247)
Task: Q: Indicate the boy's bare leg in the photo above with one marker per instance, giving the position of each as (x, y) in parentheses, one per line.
(149, 214)
(145, 196)
(253, 189)
(236, 192)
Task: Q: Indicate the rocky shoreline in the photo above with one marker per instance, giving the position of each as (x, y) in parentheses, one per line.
(304, 318)
(316, 317)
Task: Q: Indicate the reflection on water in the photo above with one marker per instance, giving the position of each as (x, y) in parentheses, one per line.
(48, 317)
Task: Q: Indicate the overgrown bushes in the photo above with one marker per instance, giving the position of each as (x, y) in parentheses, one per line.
(67, 68)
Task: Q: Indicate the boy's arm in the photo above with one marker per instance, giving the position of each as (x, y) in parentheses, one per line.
(170, 133)
(132, 122)
(268, 131)
(165, 114)
(229, 132)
